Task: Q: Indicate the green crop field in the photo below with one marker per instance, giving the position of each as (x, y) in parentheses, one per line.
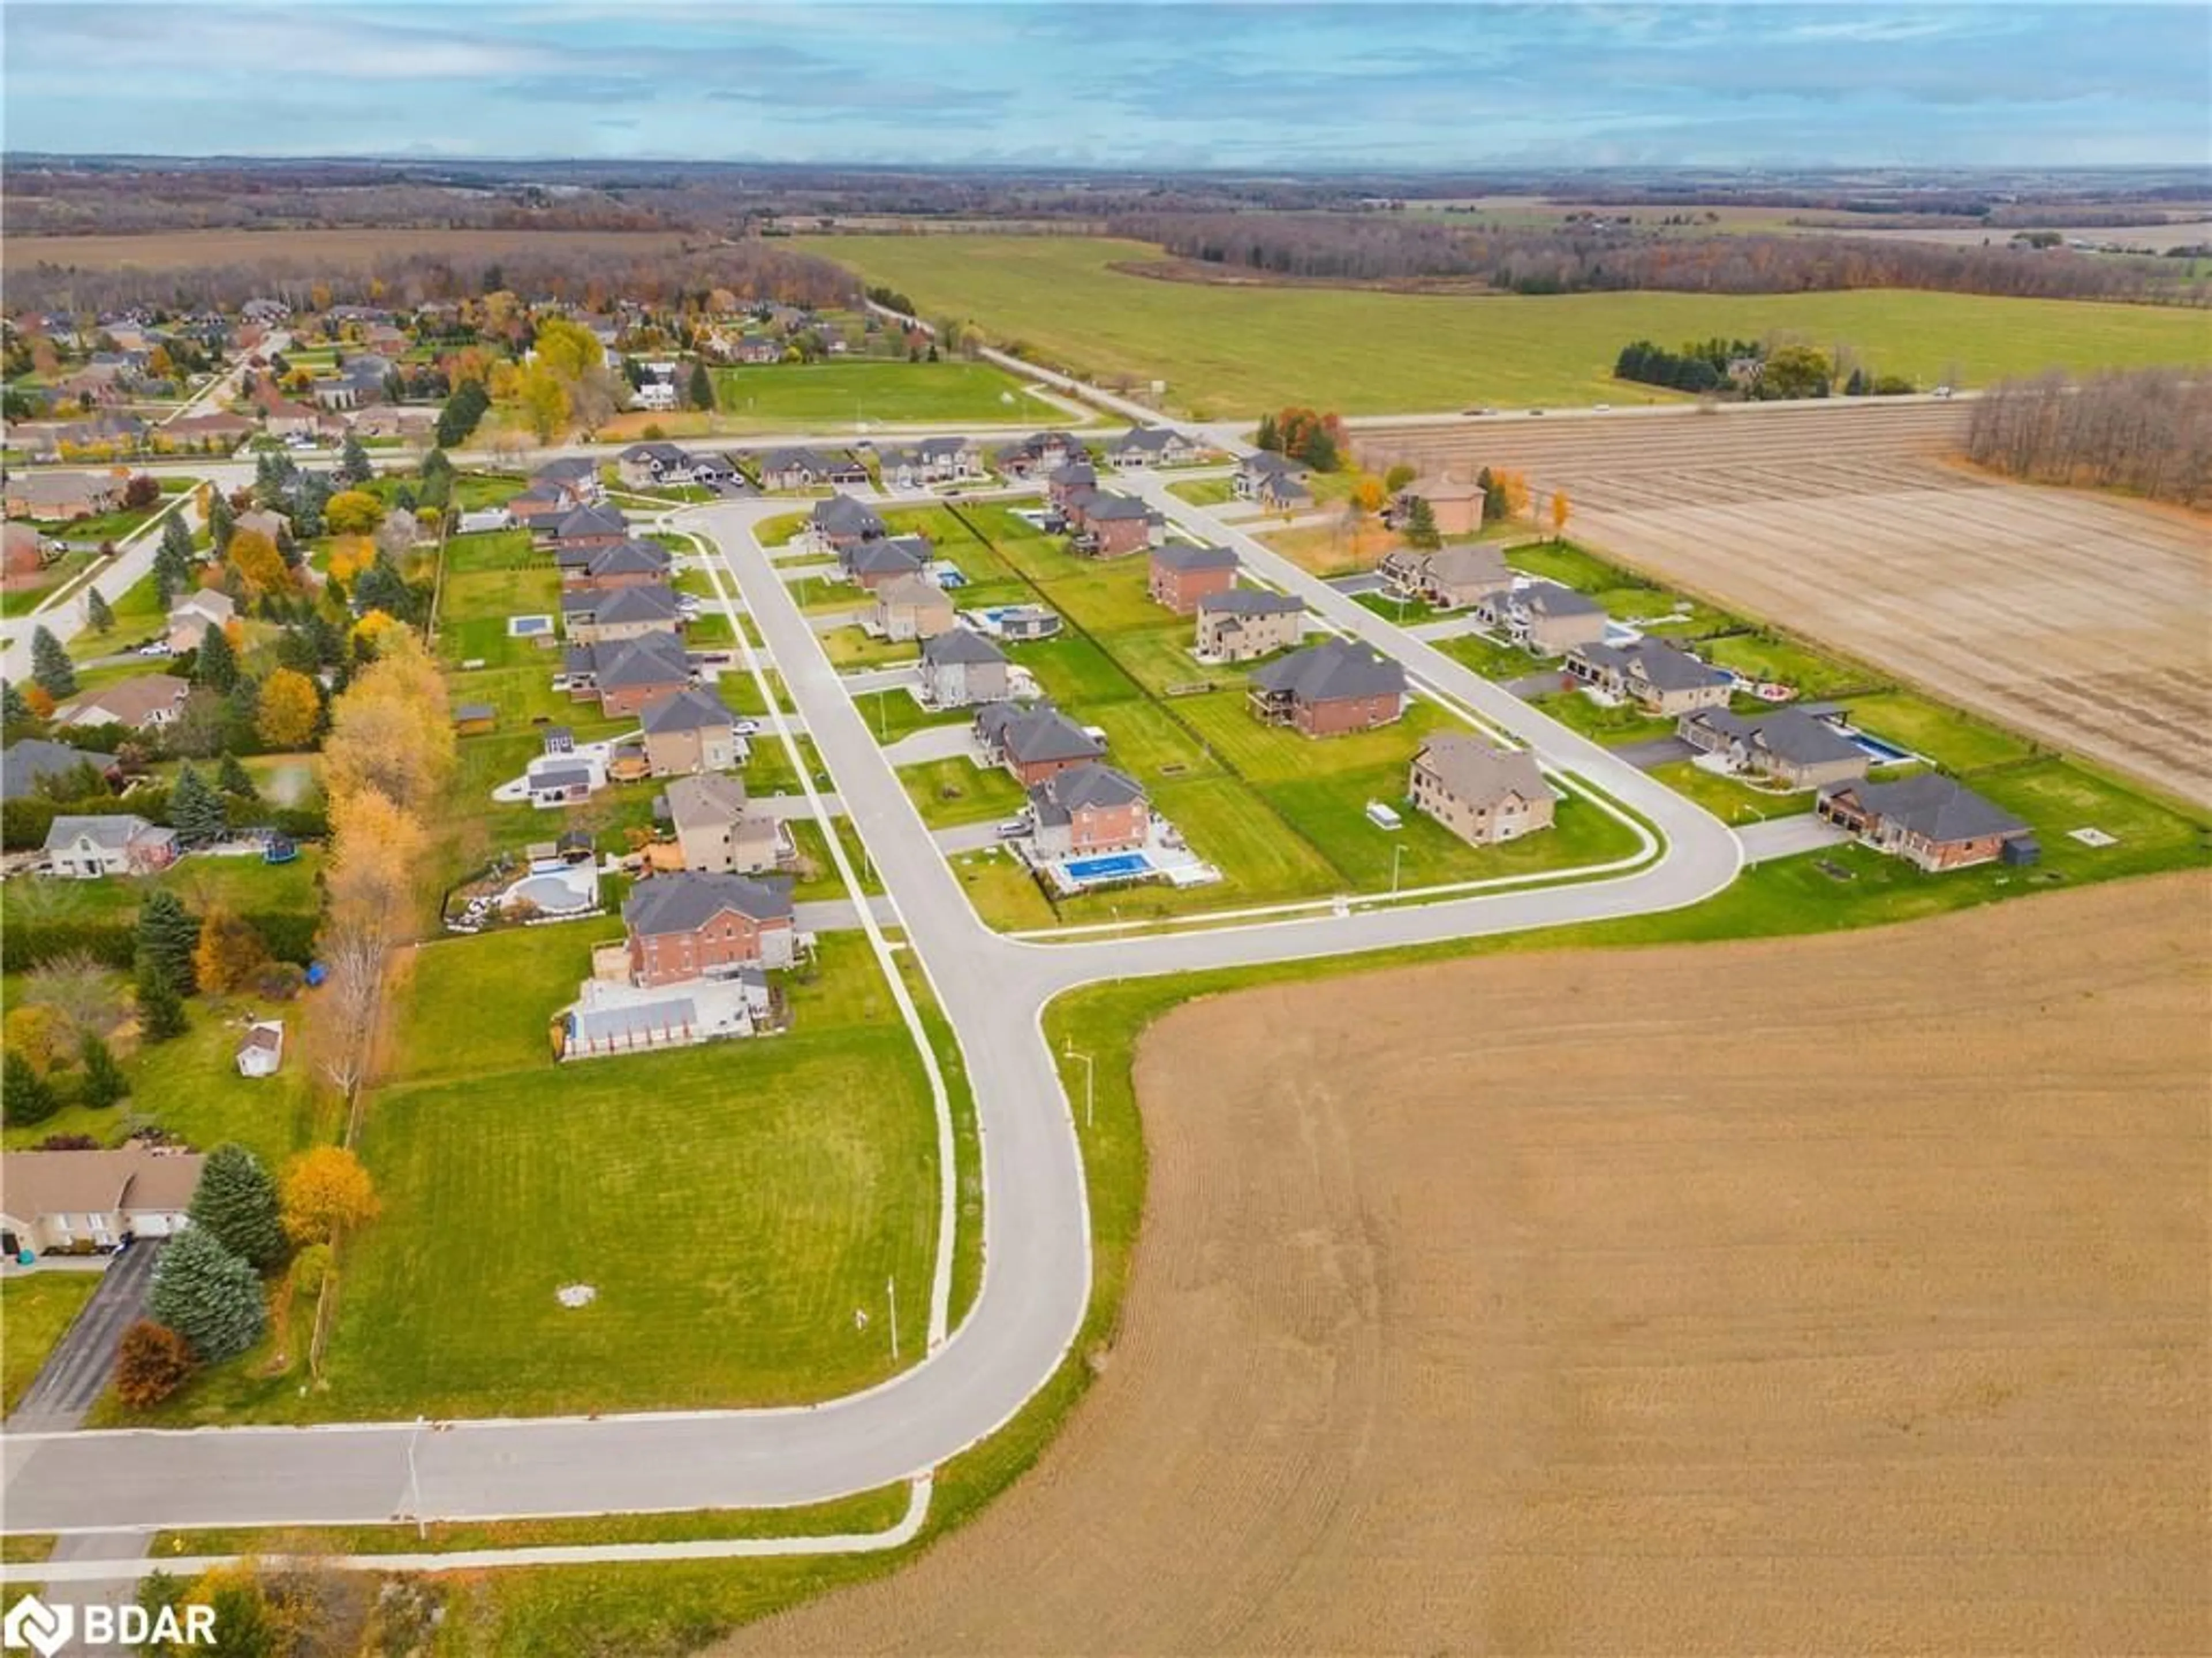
(1227, 351)
(837, 393)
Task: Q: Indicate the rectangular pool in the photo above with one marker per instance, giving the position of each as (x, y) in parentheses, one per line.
(1118, 866)
(1878, 749)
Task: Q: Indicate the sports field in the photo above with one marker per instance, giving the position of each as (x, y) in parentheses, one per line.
(1228, 351)
(1592, 1324)
(835, 394)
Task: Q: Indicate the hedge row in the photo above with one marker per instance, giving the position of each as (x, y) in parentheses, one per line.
(289, 934)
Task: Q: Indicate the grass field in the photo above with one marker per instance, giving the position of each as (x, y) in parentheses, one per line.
(35, 1309)
(1236, 351)
(820, 396)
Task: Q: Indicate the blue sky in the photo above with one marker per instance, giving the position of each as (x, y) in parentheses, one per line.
(1094, 82)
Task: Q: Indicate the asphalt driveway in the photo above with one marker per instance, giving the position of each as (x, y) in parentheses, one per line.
(78, 1368)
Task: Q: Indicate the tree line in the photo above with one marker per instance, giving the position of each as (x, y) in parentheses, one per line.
(1589, 259)
(2148, 431)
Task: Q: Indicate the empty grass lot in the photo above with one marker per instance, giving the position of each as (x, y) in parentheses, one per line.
(762, 1190)
(1221, 349)
(823, 395)
(947, 792)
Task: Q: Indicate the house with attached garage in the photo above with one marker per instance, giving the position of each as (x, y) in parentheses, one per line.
(1039, 452)
(703, 926)
(1181, 575)
(1790, 747)
(960, 669)
(595, 615)
(1930, 821)
(913, 607)
(116, 843)
(1655, 677)
(716, 831)
(809, 469)
(1482, 794)
(689, 731)
(839, 524)
(1244, 624)
(932, 460)
(147, 702)
(1087, 808)
(585, 529)
(83, 1202)
(645, 465)
(625, 564)
(1449, 579)
(1141, 446)
(51, 496)
(1272, 481)
(626, 674)
(876, 564)
(1069, 482)
(1032, 741)
(1329, 689)
(1108, 525)
(191, 616)
(1543, 618)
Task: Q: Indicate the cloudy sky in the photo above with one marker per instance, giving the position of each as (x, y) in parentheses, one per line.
(1122, 82)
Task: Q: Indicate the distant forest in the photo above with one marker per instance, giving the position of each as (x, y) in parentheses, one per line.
(2148, 431)
(1578, 259)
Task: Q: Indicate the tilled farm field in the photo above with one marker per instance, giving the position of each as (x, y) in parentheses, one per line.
(2077, 618)
(1831, 1295)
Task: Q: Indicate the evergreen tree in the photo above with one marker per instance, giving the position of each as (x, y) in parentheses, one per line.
(462, 410)
(232, 779)
(382, 588)
(702, 387)
(1268, 437)
(168, 933)
(329, 643)
(104, 1081)
(268, 480)
(1421, 525)
(161, 1009)
(221, 521)
(237, 1201)
(14, 710)
(196, 812)
(172, 561)
(208, 1295)
(353, 461)
(217, 668)
(25, 1096)
(51, 666)
(97, 613)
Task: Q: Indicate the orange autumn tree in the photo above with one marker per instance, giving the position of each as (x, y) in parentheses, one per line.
(323, 1190)
(1561, 507)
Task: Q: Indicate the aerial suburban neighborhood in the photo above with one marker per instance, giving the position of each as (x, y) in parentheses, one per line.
(693, 847)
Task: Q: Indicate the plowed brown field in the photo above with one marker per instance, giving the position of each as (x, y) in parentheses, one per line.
(2075, 617)
(1833, 1295)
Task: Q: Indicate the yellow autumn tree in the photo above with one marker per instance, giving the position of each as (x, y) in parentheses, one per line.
(1514, 486)
(392, 731)
(324, 1189)
(350, 555)
(545, 402)
(1561, 507)
(258, 564)
(353, 512)
(230, 952)
(285, 714)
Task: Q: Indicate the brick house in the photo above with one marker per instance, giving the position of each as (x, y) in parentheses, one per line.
(594, 616)
(1790, 747)
(691, 732)
(1071, 483)
(585, 529)
(1182, 574)
(628, 673)
(1085, 809)
(1329, 689)
(1244, 624)
(1482, 794)
(625, 564)
(1930, 821)
(1114, 527)
(703, 926)
(1032, 741)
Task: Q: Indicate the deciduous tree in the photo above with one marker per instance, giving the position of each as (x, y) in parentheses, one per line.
(1562, 508)
(353, 512)
(259, 564)
(152, 1363)
(288, 709)
(324, 1189)
(230, 952)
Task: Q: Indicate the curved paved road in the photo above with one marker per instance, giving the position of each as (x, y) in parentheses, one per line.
(1035, 1228)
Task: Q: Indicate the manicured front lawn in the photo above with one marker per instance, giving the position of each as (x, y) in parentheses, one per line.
(854, 648)
(1611, 724)
(1492, 659)
(1004, 893)
(1265, 753)
(957, 791)
(1205, 492)
(895, 713)
(36, 1309)
(1733, 802)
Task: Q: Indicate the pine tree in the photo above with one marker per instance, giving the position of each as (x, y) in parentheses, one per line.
(161, 1009)
(51, 666)
(232, 780)
(25, 1096)
(208, 1295)
(218, 662)
(1421, 525)
(97, 613)
(221, 521)
(237, 1201)
(104, 1081)
(14, 710)
(172, 563)
(353, 461)
(168, 933)
(1269, 437)
(702, 387)
(196, 812)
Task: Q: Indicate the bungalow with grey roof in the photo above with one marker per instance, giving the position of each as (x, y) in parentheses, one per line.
(1543, 618)
(1449, 579)
(703, 926)
(1330, 688)
(1791, 746)
(1656, 677)
(1930, 821)
(1482, 794)
(960, 669)
(625, 564)
(1245, 623)
(585, 529)
(1141, 446)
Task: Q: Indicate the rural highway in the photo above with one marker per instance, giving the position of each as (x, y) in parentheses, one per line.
(1037, 1278)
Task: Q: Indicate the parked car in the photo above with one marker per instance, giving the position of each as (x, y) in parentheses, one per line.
(1013, 829)
(746, 727)
(156, 647)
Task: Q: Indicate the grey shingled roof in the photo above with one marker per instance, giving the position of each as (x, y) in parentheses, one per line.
(1108, 506)
(1249, 601)
(1090, 786)
(1670, 669)
(1037, 732)
(1796, 737)
(686, 903)
(627, 558)
(1934, 807)
(648, 660)
(1482, 775)
(587, 521)
(26, 763)
(1332, 671)
(646, 602)
(1179, 556)
(113, 830)
(1549, 598)
(902, 556)
(843, 515)
(960, 645)
(689, 710)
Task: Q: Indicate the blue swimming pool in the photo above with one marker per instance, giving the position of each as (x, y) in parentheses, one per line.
(1119, 866)
(1878, 748)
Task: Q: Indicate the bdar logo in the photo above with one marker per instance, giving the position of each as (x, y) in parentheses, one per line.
(32, 1623)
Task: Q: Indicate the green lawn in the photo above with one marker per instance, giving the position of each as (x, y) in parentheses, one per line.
(1621, 722)
(1205, 492)
(1491, 660)
(1733, 802)
(242, 884)
(1004, 893)
(957, 791)
(1766, 657)
(36, 1309)
(1076, 673)
(824, 395)
(1221, 349)
(1955, 740)
(855, 647)
(895, 714)
(22, 600)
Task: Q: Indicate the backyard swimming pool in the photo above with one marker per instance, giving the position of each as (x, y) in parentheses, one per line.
(1887, 753)
(1117, 867)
